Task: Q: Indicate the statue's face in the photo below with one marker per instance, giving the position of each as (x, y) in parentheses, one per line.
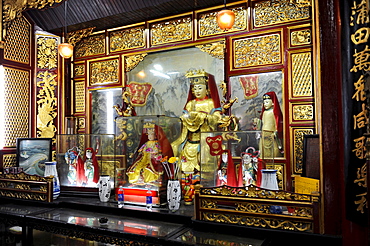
(267, 103)
(200, 91)
(151, 135)
(89, 154)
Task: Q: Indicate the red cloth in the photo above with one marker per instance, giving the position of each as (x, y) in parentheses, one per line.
(233, 179)
(259, 172)
(80, 171)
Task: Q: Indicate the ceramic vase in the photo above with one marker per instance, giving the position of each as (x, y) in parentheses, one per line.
(104, 188)
(51, 170)
(269, 179)
(173, 195)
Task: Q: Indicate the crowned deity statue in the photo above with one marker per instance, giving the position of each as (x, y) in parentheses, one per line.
(146, 168)
(201, 113)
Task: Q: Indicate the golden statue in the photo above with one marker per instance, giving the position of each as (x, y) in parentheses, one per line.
(202, 113)
(146, 168)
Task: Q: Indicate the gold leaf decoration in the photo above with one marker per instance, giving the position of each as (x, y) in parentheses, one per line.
(279, 11)
(47, 55)
(46, 104)
(171, 31)
(127, 39)
(132, 61)
(216, 50)
(257, 51)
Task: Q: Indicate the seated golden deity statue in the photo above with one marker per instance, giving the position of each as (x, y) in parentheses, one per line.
(146, 168)
(271, 144)
(201, 113)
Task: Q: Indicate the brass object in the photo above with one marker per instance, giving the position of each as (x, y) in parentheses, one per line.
(281, 11)
(207, 22)
(76, 36)
(216, 49)
(303, 112)
(17, 45)
(17, 99)
(47, 54)
(91, 45)
(298, 148)
(302, 85)
(104, 72)
(13, 9)
(171, 31)
(132, 61)
(257, 51)
(127, 39)
(46, 104)
(300, 37)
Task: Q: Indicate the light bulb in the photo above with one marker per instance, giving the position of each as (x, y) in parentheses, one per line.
(65, 50)
(225, 19)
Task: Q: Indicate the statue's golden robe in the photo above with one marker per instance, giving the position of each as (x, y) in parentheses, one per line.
(199, 116)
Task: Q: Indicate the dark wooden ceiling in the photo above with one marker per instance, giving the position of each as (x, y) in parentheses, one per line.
(105, 14)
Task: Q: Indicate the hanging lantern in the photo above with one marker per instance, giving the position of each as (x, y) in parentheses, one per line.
(225, 19)
(65, 50)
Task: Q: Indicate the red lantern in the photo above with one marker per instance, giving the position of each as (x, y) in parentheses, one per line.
(225, 19)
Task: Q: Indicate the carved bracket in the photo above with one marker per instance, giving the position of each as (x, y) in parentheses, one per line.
(76, 36)
(12, 9)
(216, 50)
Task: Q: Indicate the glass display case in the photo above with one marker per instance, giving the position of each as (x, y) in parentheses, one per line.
(232, 158)
(146, 143)
(82, 158)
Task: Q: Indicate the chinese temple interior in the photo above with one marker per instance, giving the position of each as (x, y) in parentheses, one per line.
(184, 122)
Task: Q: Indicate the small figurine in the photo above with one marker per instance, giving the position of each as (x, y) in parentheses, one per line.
(228, 173)
(91, 167)
(76, 171)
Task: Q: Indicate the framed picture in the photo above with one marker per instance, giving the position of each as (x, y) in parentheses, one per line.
(32, 153)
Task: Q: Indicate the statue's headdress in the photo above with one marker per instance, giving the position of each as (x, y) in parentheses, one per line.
(197, 77)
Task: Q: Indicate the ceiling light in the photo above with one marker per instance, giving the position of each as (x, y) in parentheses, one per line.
(65, 49)
(225, 18)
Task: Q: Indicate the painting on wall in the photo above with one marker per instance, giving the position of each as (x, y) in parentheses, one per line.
(253, 92)
(165, 71)
(32, 153)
